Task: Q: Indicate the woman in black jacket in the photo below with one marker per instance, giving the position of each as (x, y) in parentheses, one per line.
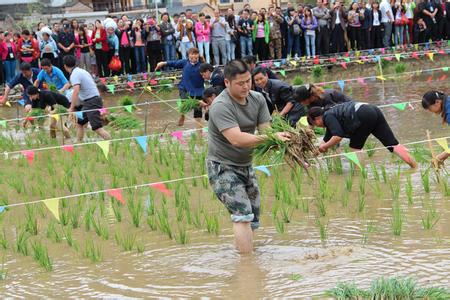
(377, 28)
(310, 96)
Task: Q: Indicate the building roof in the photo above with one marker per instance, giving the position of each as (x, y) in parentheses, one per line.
(180, 8)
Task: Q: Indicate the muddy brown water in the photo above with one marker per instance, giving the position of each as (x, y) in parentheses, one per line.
(293, 264)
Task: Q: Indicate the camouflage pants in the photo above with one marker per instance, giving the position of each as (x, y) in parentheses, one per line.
(237, 188)
(275, 44)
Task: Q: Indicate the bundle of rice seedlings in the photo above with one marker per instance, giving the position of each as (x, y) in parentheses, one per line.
(124, 122)
(126, 100)
(297, 151)
(186, 105)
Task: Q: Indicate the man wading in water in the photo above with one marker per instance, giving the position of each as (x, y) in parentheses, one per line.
(233, 118)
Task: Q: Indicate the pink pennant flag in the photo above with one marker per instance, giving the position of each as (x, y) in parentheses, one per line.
(387, 58)
(361, 81)
(430, 78)
(29, 154)
(344, 65)
(29, 119)
(415, 55)
(103, 111)
(264, 65)
(442, 51)
(68, 148)
(116, 193)
(443, 77)
(346, 54)
(103, 80)
(179, 136)
(162, 188)
(333, 60)
(153, 82)
(131, 84)
(382, 50)
(145, 75)
(270, 63)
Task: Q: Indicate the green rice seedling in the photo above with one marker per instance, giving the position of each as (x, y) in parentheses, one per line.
(280, 226)
(338, 165)
(69, 238)
(430, 218)
(17, 183)
(3, 240)
(212, 223)
(370, 228)
(298, 80)
(346, 290)
(136, 211)
(393, 288)
(186, 105)
(182, 236)
(383, 173)
(92, 251)
(64, 217)
(126, 100)
(152, 222)
(397, 218)
(369, 147)
(22, 242)
(400, 68)
(409, 189)
(89, 218)
(126, 241)
(361, 202)
(445, 188)
(296, 277)
(345, 195)
(3, 272)
(196, 219)
(117, 209)
(394, 186)
(375, 173)
(323, 230)
(425, 176)
(321, 206)
(286, 213)
(349, 182)
(317, 72)
(324, 187)
(40, 254)
(140, 247)
(377, 189)
(432, 293)
(31, 220)
(101, 229)
(53, 233)
(163, 222)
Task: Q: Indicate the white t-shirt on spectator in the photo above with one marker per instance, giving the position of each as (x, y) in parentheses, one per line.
(384, 8)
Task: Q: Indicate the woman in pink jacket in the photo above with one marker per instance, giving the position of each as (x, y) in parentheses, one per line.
(9, 56)
(202, 33)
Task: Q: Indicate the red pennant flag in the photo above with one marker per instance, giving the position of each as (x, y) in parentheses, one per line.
(387, 58)
(68, 148)
(29, 119)
(130, 84)
(442, 51)
(333, 60)
(316, 61)
(344, 65)
(103, 80)
(415, 55)
(153, 82)
(346, 54)
(443, 77)
(430, 78)
(29, 154)
(116, 193)
(162, 188)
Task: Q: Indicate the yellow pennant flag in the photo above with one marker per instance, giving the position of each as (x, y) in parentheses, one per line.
(173, 78)
(360, 62)
(304, 121)
(8, 104)
(357, 53)
(116, 78)
(381, 78)
(55, 116)
(148, 89)
(104, 145)
(443, 143)
(294, 63)
(53, 206)
(430, 56)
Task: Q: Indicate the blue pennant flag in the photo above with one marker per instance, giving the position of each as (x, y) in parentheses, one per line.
(2, 209)
(371, 51)
(341, 84)
(263, 169)
(79, 115)
(283, 61)
(21, 102)
(130, 78)
(142, 141)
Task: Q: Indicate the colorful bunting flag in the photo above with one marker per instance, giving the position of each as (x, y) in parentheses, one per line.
(148, 88)
(129, 108)
(304, 121)
(445, 69)
(21, 102)
(29, 154)
(142, 141)
(205, 129)
(283, 73)
(117, 194)
(316, 61)
(158, 73)
(145, 76)
(341, 84)
(361, 81)
(443, 77)
(104, 145)
(153, 82)
(351, 156)
(442, 52)
(3, 123)
(68, 148)
(382, 50)
(111, 88)
(382, 78)
(263, 169)
(430, 56)
(162, 188)
(8, 104)
(294, 63)
(377, 58)
(55, 116)
(443, 143)
(179, 136)
(129, 77)
(53, 206)
(264, 65)
(103, 80)
(116, 78)
(388, 58)
(416, 46)
(79, 115)
(347, 59)
(277, 64)
(415, 55)
(333, 60)
(400, 106)
(2, 209)
(103, 111)
(344, 65)
(130, 84)
(398, 56)
(357, 53)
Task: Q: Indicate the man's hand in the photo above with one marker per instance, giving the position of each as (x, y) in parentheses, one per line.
(28, 108)
(283, 136)
(3, 99)
(160, 65)
(323, 148)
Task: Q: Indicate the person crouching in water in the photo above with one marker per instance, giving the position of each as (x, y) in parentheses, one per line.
(192, 83)
(279, 96)
(310, 95)
(356, 121)
(48, 100)
(438, 103)
(208, 97)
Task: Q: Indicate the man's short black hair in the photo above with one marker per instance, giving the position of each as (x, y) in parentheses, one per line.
(45, 62)
(205, 67)
(25, 66)
(234, 68)
(212, 90)
(25, 32)
(69, 61)
(32, 90)
(259, 70)
(249, 59)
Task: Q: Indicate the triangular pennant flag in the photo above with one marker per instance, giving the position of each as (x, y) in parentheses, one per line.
(416, 46)
(103, 111)
(29, 154)
(117, 194)
(357, 53)
(344, 65)
(53, 206)
(29, 118)
(371, 51)
(142, 141)
(443, 77)
(347, 59)
(415, 55)
(103, 80)
(382, 50)
(129, 77)
(443, 143)
(263, 169)
(116, 78)
(21, 102)
(361, 81)
(316, 61)
(153, 82)
(8, 104)
(430, 78)
(294, 63)
(341, 84)
(158, 73)
(353, 158)
(360, 62)
(205, 129)
(333, 60)
(68, 148)
(346, 54)
(442, 52)
(104, 145)
(162, 188)
(111, 88)
(387, 58)
(378, 58)
(179, 136)
(430, 55)
(283, 73)
(130, 84)
(79, 115)
(304, 121)
(445, 69)
(3, 123)
(400, 106)
(145, 75)
(303, 59)
(381, 78)
(277, 64)
(129, 108)
(55, 116)
(2, 209)
(148, 88)
(398, 56)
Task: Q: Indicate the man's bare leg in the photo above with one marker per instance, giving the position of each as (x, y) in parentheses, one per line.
(243, 237)
(103, 133)
(80, 133)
